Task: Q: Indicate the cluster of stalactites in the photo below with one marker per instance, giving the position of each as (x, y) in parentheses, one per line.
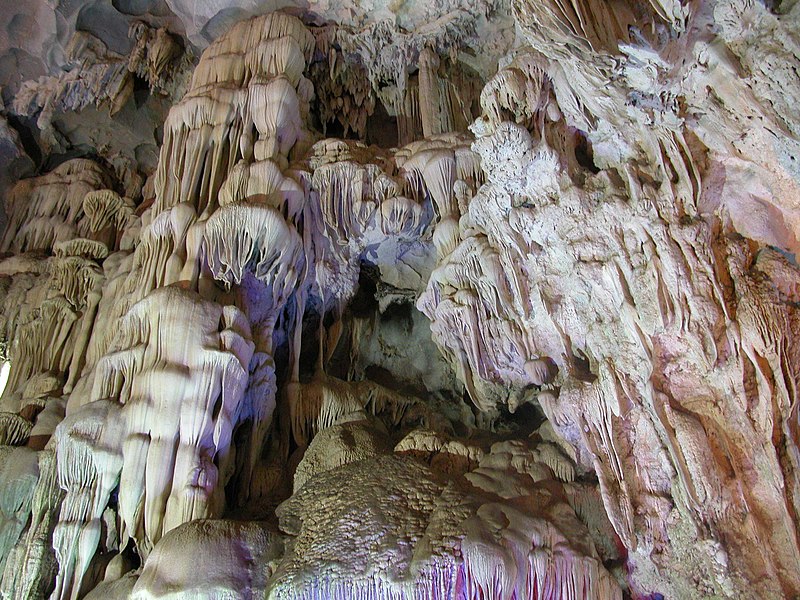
(439, 99)
(265, 182)
(416, 76)
(477, 297)
(599, 27)
(357, 196)
(98, 78)
(445, 169)
(262, 229)
(602, 287)
(153, 52)
(109, 215)
(48, 312)
(342, 89)
(75, 278)
(247, 101)
(519, 91)
(248, 50)
(228, 143)
(255, 237)
(325, 400)
(158, 260)
(43, 211)
(146, 390)
(472, 301)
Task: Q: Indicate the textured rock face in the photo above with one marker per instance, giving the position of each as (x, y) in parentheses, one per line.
(526, 330)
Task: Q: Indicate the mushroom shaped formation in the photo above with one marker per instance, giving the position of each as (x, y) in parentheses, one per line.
(255, 237)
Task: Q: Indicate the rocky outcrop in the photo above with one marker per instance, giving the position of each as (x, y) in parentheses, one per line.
(627, 298)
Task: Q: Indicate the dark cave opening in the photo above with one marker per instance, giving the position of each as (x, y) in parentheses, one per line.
(583, 152)
(141, 91)
(382, 128)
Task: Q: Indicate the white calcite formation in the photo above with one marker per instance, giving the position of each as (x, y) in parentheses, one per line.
(651, 330)
(431, 534)
(531, 335)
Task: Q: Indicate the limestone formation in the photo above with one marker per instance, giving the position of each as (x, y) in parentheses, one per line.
(238, 561)
(456, 299)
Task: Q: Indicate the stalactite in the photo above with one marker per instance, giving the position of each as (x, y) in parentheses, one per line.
(49, 209)
(144, 368)
(545, 351)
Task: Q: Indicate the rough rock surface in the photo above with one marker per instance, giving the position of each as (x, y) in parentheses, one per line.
(398, 300)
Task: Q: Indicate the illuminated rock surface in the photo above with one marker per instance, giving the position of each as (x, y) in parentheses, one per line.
(400, 300)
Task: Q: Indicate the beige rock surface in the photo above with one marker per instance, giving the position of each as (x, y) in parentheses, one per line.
(526, 328)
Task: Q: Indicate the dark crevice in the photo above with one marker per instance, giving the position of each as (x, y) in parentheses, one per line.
(141, 91)
(25, 128)
(382, 128)
(364, 304)
(583, 152)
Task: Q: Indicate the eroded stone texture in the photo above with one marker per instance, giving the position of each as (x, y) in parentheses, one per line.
(431, 537)
(531, 335)
(627, 300)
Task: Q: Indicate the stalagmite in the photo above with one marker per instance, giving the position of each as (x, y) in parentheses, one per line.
(195, 389)
(236, 561)
(339, 445)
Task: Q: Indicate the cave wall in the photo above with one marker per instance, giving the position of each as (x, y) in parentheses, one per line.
(524, 329)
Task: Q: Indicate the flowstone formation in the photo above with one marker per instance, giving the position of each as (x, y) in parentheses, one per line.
(524, 329)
